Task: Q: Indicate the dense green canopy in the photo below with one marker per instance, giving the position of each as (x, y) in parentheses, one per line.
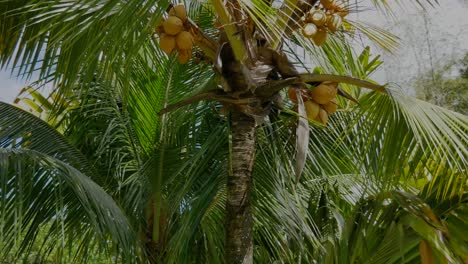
(93, 173)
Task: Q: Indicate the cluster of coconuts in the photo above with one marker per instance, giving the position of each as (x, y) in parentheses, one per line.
(320, 102)
(173, 36)
(323, 18)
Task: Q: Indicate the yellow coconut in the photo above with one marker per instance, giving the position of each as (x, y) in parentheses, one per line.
(309, 30)
(159, 28)
(173, 25)
(322, 117)
(334, 22)
(318, 17)
(302, 21)
(320, 37)
(184, 56)
(323, 93)
(332, 84)
(342, 11)
(292, 94)
(328, 4)
(184, 40)
(331, 106)
(179, 11)
(167, 43)
(312, 109)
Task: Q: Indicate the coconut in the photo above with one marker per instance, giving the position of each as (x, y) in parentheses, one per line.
(179, 11)
(320, 37)
(322, 117)
(323, 93)
(312, 109)
(318, 17)
(342, 11)
(328, 4)
(292, 94)
(159, 28)
(331, 106)
(302, 21)
(167, 43)
(173, 25)
(334, 22)
(332, 84)
(309, 30)
(184, 56)
(184, 40)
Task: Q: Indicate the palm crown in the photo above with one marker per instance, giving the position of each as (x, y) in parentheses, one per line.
(142, 158)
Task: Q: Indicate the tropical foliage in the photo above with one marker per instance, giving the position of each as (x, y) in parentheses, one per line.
(102, 174)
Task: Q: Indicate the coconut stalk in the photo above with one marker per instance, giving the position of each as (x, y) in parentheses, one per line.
(239, 220)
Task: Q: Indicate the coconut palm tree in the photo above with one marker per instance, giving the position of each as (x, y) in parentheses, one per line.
(167, 162)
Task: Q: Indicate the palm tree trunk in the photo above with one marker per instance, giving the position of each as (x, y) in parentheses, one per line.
(239, 220)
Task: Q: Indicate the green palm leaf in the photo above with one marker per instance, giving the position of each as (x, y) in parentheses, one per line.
(168, 172)
(40, 190)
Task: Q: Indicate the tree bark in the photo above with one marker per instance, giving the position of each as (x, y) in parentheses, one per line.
(239, 220)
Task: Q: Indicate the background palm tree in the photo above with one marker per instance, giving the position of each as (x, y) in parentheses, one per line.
(383, 176)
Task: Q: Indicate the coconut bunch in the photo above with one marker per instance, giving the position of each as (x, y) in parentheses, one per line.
(319, 102)
(322, 19)
(174, 34)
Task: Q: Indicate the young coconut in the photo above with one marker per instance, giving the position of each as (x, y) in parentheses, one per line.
(293, 95)
(323, 93)
(167, 43)
(332, 84)
(159, 28)
(331, 106)
(334, 22)
(184, 40)
(342, 11)
(302, 21)
(309, 30)
(328, 4)
(173, 25)
(322, 117)
(318, 17)
(312, 109)
(320, 37)
(184, 56)
(179, 11)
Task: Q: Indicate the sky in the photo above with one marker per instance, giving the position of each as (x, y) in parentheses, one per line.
(9, 87)
(430, 40)
(427, 40)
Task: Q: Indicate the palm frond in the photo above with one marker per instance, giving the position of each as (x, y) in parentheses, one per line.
(64, 38)
(20, 129)
(401, 131)
(39, 190)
